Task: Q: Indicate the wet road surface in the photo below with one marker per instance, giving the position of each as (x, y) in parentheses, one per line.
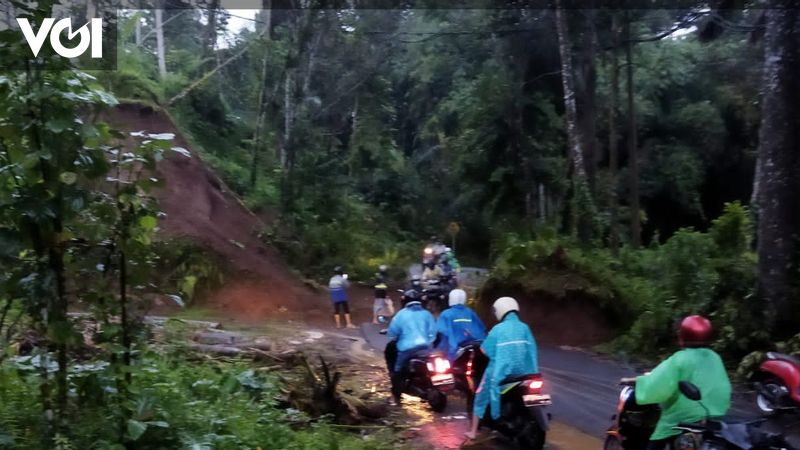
(584, 388)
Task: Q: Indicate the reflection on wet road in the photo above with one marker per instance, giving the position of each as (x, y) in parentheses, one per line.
(446, 430)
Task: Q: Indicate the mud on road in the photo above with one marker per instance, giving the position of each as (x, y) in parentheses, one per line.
(364, 376)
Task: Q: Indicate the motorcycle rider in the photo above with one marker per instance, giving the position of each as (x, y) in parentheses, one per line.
(511, 350)
(431, 272)
(412, 329)
(382, 302)
(458, 324)
(695, 363)
(337, 286)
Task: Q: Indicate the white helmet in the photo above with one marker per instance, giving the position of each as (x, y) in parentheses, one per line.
(503, 306)
(457, 297)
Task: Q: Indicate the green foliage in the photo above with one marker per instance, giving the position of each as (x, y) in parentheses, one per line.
(176, 404)
(692, 273)
(187, 269)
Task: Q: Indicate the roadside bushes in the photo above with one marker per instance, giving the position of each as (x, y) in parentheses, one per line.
(710, 273)
(176, 404)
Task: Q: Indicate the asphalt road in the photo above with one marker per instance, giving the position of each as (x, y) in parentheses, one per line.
(584, 386)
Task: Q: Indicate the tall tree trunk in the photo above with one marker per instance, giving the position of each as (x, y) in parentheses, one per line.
(613, 151)
(91, 10)
(260, 117)
(264, 18)
(585, 87)
(210, 41)
(138, 25)
(160, 51)
(633, 150)
(779, 152)
(581, 214)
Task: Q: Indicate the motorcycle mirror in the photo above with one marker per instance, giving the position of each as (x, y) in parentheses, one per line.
(689, 390)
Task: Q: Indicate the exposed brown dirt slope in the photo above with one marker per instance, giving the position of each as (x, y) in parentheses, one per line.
(199, 206)
(557, 306)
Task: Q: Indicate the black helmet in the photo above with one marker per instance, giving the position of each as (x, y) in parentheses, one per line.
(338, 270)
(410, 296)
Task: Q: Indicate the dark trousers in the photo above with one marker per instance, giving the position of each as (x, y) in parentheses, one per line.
(390, 353)
(661, 444)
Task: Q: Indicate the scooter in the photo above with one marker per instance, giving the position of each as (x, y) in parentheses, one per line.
(522, 417)
(713, 434)
(468, 367)
(428, 376)
(634, 423)
(777, 383)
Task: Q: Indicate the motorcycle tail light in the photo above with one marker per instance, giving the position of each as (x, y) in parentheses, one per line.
(535, 385)
(469, 368)
(439, 365)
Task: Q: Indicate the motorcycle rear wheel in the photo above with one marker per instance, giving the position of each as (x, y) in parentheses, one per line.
(774, 387)
(532, 437)
(437, 400)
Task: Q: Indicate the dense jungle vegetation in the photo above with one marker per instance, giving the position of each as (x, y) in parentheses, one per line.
(654, 150)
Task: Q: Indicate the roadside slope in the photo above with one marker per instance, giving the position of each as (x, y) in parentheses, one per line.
(199, 206)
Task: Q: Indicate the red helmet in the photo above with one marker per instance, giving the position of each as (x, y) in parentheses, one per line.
(695, 331)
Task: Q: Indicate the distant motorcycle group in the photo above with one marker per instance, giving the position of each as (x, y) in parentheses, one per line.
(458, 355)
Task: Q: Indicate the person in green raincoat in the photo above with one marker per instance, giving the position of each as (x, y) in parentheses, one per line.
(695, 363)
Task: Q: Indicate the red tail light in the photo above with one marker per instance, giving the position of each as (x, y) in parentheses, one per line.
(535, 385)
(469, 368)
(439, 365)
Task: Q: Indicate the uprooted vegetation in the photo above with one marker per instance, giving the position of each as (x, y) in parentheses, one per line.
(201, 387)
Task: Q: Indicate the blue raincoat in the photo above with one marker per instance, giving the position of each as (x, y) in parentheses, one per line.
(414, 329)
(511, 349)
(456, 325)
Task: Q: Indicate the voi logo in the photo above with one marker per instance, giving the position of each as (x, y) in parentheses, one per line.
(93, 38)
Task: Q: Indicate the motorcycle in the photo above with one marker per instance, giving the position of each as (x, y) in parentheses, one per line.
(777, 383)
(713, 434)
(434, 296)
(427, 375)
(522, 417)
(634, 423)
(468, 367)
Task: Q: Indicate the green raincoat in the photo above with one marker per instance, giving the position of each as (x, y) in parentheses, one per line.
(701, 366)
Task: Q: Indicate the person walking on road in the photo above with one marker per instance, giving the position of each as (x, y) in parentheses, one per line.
(338, 285)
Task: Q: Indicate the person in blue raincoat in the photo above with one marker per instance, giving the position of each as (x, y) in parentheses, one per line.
(412, 329)
(458, 324)
(511, 350)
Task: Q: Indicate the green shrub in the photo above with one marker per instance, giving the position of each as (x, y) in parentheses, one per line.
(177, 404)
(709, 273)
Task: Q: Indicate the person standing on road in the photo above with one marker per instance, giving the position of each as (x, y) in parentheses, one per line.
(338, 285)
(412, 329)
(695, 363)
(458, 324)
(511, 350)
